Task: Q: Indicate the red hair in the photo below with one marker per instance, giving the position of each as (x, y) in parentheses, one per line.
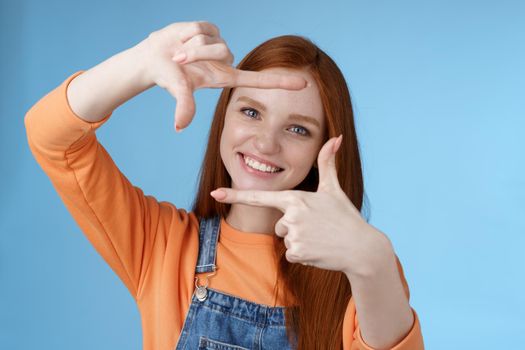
(321, 296)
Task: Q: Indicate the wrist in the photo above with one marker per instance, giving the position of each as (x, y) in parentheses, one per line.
(378, 255)
(140, 54)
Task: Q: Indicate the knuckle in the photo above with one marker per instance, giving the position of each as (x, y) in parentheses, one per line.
(253, 198)
(200, 39)
(216, 28)
(292, 239)
(297, 201)
(190, 53)
(292, 255)
(154, 36)
(196, 26)
(223, 50)
(302, 202)
(292, 216)
(223, 75)
(173, 27)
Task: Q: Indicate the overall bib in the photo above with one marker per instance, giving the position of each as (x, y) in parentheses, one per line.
(217, 320)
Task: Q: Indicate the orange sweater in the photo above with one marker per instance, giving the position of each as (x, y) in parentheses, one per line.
(152, 246)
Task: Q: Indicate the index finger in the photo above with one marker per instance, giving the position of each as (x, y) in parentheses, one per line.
(275, 199)
(263, 80)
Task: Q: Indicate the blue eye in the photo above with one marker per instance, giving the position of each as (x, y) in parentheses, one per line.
(251, 115)
(303, 131)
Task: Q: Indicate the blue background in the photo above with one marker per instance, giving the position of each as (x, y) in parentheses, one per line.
(438, 94)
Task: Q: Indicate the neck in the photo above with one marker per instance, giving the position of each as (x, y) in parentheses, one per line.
(252, 219)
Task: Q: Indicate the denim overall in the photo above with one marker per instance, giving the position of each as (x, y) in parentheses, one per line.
(216, 320)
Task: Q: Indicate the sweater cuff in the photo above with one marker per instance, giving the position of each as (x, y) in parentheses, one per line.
(52, 124)
(412, 341)
(69, 111)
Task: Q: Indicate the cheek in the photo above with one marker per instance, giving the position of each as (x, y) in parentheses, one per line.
(224, 144)
(233, 136)
(303, 157)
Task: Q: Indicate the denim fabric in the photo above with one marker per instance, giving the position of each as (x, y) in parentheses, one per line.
(226, 322)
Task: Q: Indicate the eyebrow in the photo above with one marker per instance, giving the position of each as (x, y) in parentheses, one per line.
(293, 116)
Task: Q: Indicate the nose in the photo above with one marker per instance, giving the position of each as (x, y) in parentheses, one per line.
(267, 142)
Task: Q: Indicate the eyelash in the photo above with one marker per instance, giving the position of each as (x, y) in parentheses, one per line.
(305, 133)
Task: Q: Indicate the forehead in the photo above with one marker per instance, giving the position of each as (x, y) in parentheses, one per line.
(306, 101)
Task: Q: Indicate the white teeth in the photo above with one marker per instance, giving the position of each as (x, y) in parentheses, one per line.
(259, 166)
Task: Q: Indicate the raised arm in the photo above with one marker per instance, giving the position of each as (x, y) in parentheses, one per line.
(116, 217)
(180, 58)
(120, 221)
(101, 89)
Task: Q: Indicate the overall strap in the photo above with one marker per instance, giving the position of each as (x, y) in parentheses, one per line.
(208, 236)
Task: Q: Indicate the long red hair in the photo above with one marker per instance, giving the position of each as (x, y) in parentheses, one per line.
(321, 296)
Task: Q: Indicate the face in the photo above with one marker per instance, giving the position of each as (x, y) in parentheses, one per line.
(271, 137)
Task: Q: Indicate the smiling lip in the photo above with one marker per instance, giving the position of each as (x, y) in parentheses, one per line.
(254, 172)
(260, 160)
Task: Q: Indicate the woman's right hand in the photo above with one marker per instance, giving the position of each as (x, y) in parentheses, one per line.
(186, 56)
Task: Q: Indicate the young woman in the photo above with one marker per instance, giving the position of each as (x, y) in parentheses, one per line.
(274, 253)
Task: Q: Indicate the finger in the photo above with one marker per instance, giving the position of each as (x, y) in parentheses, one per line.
(185, 109)
(287, 242)
(174, 81)
(280, 228)
(291, 256)
(264, 80)
(191, 29)
(275, 199)
(200, 40)
(328, 179)
(212, 52)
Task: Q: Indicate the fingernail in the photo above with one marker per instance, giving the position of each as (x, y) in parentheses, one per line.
(179, 57)
(177, 128)
(218, 194)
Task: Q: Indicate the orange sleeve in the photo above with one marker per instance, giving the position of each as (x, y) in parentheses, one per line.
(412, 341)
(116, 217)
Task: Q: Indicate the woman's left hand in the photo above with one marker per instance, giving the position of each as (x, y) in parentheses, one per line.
(322, 229)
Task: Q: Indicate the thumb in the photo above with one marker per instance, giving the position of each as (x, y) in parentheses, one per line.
(176, 83)
(185, 108)
(328, 179)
